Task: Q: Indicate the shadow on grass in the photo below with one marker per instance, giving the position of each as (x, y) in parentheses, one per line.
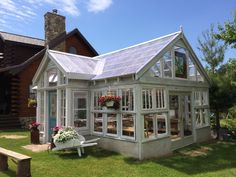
(95, 152)
(8, 172)
(220, 157)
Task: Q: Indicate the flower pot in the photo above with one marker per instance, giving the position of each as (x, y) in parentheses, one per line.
(34, 135)
(110, 104)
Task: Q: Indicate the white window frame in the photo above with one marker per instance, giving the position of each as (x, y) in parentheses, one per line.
(87, 110)
(134, 119)
(117, 126)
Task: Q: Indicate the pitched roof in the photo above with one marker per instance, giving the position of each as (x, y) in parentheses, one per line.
(118, 63)
(74, 65)
(21, 39)
(130, 60)
(57, 40)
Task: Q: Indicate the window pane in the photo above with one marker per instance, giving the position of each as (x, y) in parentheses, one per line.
(187, 118)
(161, 124)
(147, 98)
(62, 78)
(127, 100)
(199, 77)
(96, 104)
(72, 50)
(160, 98)
(42, 114)
(174, 116)
(52, 77)
(98, 122)
(148, 126)
(167, 64)
(111, 123)
(180, 64)
(80, 109)
(63, 108)
(156, 69)
(128, 125)
(191, 70)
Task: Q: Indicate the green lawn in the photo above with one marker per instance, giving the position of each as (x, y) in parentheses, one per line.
(220, 160)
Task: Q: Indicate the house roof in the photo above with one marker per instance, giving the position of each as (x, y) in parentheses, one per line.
(21, 39)
(74, 66)
(61, 37)
(130, 60)
(118, 63)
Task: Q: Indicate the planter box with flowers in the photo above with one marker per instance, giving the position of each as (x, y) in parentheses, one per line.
(34, 133)
(67, 138)
(110, 101)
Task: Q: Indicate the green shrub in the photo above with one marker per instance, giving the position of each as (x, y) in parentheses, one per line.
(230, 124)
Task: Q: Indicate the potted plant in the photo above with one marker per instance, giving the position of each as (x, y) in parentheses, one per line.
(34, 132)
(110, 101)
(66, 138)
(32, 103)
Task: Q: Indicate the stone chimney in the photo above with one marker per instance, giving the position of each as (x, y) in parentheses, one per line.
(54, 24)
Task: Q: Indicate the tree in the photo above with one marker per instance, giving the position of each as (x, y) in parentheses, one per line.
(227, 33)
(212, 49)
(213, 52)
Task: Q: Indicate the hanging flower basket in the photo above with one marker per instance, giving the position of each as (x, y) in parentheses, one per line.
(110, 101)
(32, 103)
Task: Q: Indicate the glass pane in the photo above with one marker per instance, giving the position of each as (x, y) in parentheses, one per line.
(161, 124)
(98, 122)
(199, 77)
(180, 65)
(148, 126)
(127, 100)
(96, 104)
(174, 116)
(52, 77)
(191, 70)
(147, 98)
(156, 70)
(63, 108)
(80, 109)
(187, 119)
(42, 112)
(111, 124)
(167, 60)
(160, 98)
(128, 125)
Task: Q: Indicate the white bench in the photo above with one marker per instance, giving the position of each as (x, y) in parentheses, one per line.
(22, 161)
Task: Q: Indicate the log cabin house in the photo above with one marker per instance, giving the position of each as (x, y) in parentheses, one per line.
(20, 57)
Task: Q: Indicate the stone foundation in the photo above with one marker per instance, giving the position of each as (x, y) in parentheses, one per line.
(25, 121)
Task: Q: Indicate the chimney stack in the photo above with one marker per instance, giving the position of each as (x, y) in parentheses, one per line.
(54, 24)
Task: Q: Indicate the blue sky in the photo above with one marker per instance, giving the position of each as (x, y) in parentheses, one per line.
(113, 24)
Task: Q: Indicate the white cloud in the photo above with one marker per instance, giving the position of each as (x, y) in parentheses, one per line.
(19, 12)
(98, 5)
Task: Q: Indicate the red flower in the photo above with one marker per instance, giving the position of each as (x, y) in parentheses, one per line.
(103, 99)
(34, 125)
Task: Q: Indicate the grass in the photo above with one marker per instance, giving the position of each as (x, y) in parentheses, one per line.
(215, 159)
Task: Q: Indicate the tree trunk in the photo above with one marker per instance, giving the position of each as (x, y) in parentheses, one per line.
(218, 125)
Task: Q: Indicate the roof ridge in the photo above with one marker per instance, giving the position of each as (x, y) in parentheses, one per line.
(70, 54)
(22, 35)
(135, 45)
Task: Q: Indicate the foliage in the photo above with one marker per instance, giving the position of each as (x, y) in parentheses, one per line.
(228, 32)
(232, 112)
(230, 124)
(219, 161)
(107, 98)
(66, 134)
(212, 49)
